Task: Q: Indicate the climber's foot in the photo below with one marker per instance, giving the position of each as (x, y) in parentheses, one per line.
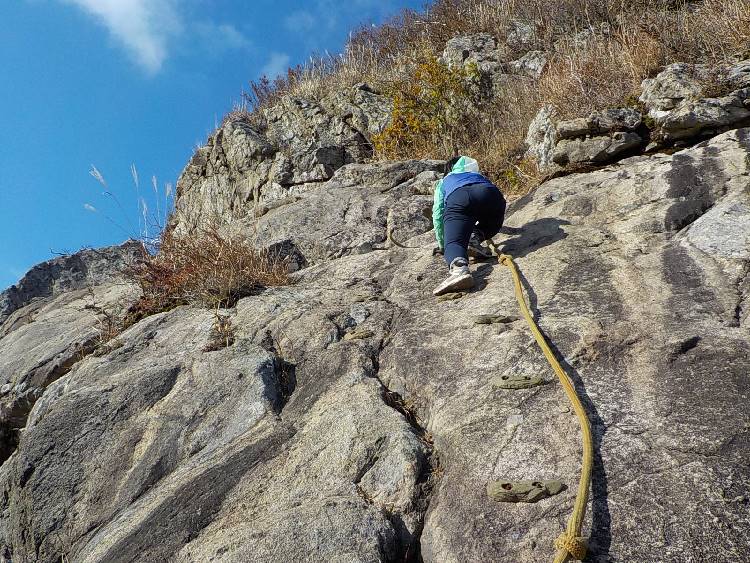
(460, 278)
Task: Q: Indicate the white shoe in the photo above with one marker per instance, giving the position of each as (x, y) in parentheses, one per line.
(460, 278)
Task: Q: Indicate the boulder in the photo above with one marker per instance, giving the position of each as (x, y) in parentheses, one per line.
(705, 116)
(480, 49)
(688, 101)
(531, 64)
(542, 137)
(595, 150)
(599, 138)
(677, 82)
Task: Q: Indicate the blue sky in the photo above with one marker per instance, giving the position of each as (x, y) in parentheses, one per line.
(112, 83)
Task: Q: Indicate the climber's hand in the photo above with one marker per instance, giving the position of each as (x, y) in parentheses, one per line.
(437, 250)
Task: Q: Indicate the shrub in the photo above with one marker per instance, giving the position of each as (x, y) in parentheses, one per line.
(427, 103)
(205, 269)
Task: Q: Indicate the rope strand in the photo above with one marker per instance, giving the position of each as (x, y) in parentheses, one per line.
(570, 543)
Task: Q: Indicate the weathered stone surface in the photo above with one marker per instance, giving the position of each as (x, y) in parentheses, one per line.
(290, 147)
(521, 35)
(597, 150)
(62, 310)
(679, 81)
(615, 119)
(299, 442)
(706, 115)
(531, 64)
(480, 49)
(682, 108)
(542, 137)
(82, 269)
(350, 214)
(598, 138)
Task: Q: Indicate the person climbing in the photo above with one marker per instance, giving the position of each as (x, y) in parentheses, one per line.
(467, 210)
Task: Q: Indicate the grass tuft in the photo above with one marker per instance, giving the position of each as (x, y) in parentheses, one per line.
(205, 269)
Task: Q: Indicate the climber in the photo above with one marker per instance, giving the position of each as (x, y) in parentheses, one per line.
(467, 210)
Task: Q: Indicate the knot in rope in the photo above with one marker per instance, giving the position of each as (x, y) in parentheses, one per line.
(574, 545)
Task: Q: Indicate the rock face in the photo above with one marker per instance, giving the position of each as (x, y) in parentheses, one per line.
(288, 149)
(681, 107)
(77, 271)
(599, 138)
(355, 419)
(682, 104)
(54, 316)
(493, 60)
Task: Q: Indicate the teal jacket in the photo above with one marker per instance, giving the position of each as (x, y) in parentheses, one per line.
(463, 173)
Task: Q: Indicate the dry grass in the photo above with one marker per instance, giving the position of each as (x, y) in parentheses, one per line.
(205, 269)
(600, 51)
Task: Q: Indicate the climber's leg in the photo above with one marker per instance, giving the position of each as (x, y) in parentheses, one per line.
(488, 206)
(458, 223)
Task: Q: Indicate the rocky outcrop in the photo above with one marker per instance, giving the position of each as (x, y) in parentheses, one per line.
(493, 61)
(682, 107)
(354, 417)
(598, 138)
(54, 316)
(284, 151)
(86, 268)
(682, 104)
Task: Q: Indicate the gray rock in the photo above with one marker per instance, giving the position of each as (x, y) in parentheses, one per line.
(74, 271)
(326, 434)
(367, 110)
(682, 109)
(599, 123)
(572, 128)
(521, 35)
(724, 230)
(481, 49)
(531, 64)
(53, 317)
(693, 118)
(244, 167)
(595, 150)
(679, 81)
(542, 137)
(616, 119)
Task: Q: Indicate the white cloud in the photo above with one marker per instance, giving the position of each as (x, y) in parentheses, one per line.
(220, 37)
(277, 64)
(144, 27)
(299, 21)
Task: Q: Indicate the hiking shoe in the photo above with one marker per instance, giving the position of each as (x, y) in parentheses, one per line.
(460, 278)
(476, 249)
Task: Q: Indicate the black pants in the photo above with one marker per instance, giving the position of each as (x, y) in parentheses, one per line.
(475, 205)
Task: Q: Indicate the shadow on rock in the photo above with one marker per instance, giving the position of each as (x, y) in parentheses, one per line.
(601, 521)
(481, 272)
(533, 236)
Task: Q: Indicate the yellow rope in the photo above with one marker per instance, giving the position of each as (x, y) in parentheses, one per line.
(389, 232)
(570, 543)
